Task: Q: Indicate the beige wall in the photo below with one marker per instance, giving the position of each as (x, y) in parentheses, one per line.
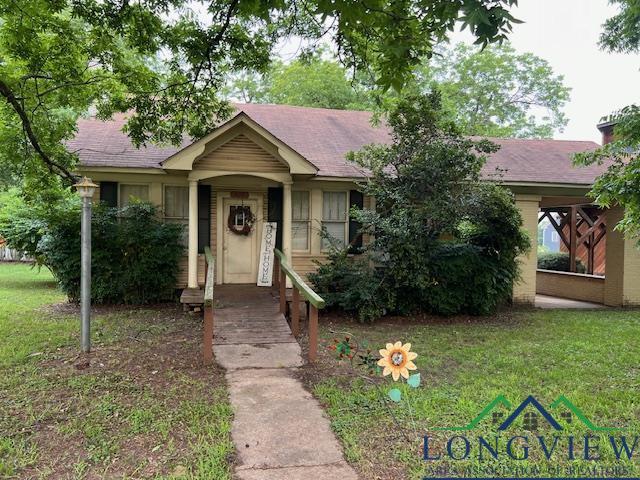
(524, 291)
(303, 261)
(622, 284)
(588, 288)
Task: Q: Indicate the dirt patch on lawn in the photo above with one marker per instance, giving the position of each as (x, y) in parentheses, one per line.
(129, 408)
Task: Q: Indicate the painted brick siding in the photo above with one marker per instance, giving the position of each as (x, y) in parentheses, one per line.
(524, 291)
(568, 285)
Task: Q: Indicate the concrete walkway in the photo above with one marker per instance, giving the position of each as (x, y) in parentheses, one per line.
(279, 429)
(547, 302)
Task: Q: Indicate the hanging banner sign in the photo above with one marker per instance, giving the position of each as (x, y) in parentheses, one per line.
(265, 269)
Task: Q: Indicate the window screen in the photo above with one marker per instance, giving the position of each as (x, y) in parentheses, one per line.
(334, 217)
(129, 192)
(300, 220)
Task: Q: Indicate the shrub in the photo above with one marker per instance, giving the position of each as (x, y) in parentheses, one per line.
(558, 261)
(462, 281)
(134, 254)
(350, 283)
(22, 227)
(426, 185)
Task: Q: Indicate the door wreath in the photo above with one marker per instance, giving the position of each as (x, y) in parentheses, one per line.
(244, 213)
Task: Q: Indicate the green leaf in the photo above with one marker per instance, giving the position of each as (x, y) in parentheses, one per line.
(395, 395)
(414, 380)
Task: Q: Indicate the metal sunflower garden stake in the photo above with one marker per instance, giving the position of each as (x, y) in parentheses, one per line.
(396, 359)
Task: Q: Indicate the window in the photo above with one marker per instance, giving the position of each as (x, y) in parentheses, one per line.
(176, 202)
(129, 192)
(334, 217)
(300, 220)
(176, 208)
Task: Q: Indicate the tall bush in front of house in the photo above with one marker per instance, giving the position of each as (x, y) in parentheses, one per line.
(134, 254)
(134, 257)
(444, 242)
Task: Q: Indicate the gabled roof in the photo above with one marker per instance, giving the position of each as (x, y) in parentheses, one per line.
(323, 137)
(104, 144)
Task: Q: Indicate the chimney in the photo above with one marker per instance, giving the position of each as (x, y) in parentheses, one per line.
(606, 128)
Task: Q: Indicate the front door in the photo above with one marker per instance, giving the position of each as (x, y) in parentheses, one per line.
(240, 251)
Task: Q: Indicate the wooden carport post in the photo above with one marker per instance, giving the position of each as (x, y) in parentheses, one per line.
(573, 237)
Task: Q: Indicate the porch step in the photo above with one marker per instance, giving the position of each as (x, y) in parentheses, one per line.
(192, 298)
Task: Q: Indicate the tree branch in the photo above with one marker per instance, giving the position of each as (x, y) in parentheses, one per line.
(51, 164)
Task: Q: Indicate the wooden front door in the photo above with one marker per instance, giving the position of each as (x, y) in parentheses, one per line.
(240, 252)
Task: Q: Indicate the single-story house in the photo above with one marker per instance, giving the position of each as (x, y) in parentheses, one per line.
(287, 165)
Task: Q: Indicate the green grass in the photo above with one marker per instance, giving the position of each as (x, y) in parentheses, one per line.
(142, 406)
(591, 357)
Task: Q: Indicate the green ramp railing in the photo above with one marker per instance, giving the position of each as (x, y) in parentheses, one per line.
(299, 288)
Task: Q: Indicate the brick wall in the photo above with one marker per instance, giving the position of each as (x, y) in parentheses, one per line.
(575, 286)
(524, 291)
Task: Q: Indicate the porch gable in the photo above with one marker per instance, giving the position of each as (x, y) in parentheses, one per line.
(240, 145)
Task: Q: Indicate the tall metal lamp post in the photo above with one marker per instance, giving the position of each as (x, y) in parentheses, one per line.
(85, 188)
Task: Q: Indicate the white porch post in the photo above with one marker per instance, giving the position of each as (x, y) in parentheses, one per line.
(286, 223)
(192, 281)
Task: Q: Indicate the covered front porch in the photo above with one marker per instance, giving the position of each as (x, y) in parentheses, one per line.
(228, 213)
(239, 178)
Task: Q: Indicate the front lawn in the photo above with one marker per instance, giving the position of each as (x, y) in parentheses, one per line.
(139, 406)
(591, 357)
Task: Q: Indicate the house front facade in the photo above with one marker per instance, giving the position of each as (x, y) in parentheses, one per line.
(287, 165)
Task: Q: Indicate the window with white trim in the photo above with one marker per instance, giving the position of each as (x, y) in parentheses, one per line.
(128, 192)
(334, 217)
(300, 220)
(176, 207)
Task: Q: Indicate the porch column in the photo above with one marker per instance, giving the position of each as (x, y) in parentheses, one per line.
(524, 291)
(192, 281)
(286, 220)
(286, 224)
(622, 267)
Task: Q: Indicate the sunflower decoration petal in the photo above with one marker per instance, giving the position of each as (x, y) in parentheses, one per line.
(397, 360)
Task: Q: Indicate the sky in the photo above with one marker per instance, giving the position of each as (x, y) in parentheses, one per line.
(566, 33)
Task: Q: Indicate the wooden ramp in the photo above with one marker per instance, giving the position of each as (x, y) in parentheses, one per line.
(247, 314)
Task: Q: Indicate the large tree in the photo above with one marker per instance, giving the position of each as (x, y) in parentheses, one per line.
(497, 91)
(492, 92)
(306, 82)
(620, 185)
(165, 61)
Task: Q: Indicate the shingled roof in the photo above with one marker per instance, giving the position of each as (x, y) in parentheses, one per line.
(325, 136)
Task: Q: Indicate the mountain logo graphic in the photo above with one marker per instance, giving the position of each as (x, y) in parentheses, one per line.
(530, 402)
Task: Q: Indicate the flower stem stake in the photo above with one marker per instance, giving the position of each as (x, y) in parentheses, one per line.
(85, 188)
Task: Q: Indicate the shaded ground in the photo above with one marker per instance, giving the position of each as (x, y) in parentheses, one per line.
(591, 357)
(139, 406)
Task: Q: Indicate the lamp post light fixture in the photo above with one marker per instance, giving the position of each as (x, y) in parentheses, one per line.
(85, 188)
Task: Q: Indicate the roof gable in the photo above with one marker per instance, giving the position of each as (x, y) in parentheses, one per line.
(187, 158)
(241, 154)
